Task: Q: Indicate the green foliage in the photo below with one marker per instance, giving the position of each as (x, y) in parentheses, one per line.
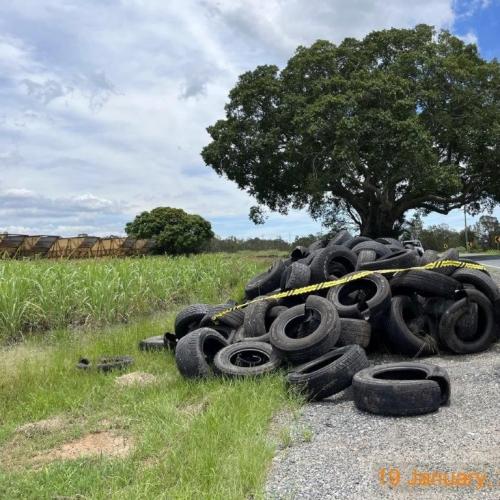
(366, 130)
(176, 232)
(233, 244)
(36, 296)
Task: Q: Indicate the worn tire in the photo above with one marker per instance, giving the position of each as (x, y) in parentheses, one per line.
(380, 249)
(256, 322)
(156, 343)
(317, 245)
(406, 337)
(189, 319)
(480, 280)
(328, 262)
(247, 359)
(390, 241)
(425, 283)
(364, 257)
(298, 253)
(401, 389)
(428, 257)
(275, 311)
(196, 351)
(357, 239)
(110, 363)
(295, 276)
(363, 298)
(265, 282)
(341, 238)
(401, 259)
(329, 374)
(486, 324)
(232, 319)
(306, 331)
(354, 332)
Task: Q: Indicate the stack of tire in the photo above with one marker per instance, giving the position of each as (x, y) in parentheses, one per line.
(322, 337)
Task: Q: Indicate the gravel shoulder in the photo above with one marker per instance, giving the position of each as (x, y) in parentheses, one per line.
(348, 448)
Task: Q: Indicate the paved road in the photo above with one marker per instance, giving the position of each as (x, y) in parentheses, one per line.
(487, 260)
(338, 451)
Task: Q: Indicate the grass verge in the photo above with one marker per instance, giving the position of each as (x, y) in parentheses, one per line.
(204, 439)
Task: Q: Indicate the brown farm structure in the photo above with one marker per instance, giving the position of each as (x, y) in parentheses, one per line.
(77, 247)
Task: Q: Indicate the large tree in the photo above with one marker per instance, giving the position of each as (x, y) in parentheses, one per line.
(366, 130)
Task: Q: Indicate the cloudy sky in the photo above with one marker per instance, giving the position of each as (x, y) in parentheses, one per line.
(104, 103)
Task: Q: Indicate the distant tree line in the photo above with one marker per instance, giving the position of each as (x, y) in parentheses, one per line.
(480, 236)
(177, 232)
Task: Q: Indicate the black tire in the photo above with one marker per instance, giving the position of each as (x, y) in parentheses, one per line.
(451, 254)
(265, 282)
(401, 389)
(409, 331)
(298, 253)
(295, 276)
(328, 374)
(425, 283)
(247, 359)
(485, 334)
(328, 262)
(110, 363)
(241, 336)
(362, 298)
(189, 319)
(232, 319)
(357, 239)
(354, 332)
(196, 351)
(391, 241)
(341, 238)
(365, 256)
(307, 260)
(317, 245)
(380, 249)
(480, 280)
(275, 311)
(401, 259)
(428, 257)
(306, 331)
(256, 322)
(156, 343)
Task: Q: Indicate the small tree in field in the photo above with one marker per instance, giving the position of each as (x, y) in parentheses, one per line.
(175, 231)
(364, 131)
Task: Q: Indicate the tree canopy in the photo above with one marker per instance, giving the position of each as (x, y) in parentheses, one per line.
(175, 231)
(364, 131)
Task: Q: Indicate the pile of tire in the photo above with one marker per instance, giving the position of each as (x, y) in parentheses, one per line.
(322, 337)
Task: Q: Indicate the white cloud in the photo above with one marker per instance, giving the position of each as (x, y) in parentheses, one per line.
(113, 99)
(469, 37)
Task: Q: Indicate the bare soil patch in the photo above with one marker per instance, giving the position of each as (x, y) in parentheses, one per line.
(46, 426)
(106, 443)
(135, 378)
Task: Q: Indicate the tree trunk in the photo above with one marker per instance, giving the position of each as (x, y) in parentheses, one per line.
(378, 223)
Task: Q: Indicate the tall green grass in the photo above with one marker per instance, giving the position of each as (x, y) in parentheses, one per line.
(42, 295)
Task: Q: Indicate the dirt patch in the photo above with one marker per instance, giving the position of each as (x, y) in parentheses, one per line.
(135, 378)
(193, 409)
(105, 443)
(47, 426)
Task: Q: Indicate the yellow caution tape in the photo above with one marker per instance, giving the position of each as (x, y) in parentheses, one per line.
(351, 277)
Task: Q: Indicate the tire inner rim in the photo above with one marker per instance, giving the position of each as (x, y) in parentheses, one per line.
(249, 358)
